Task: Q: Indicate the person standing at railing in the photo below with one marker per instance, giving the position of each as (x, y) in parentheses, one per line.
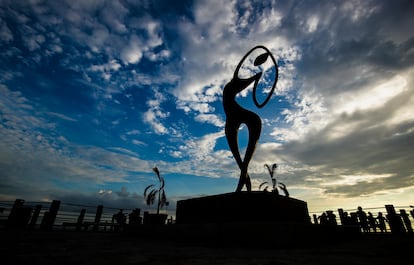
(381, 222)
(120, 218)
(363, 222)
(323, 219)
(372, 222)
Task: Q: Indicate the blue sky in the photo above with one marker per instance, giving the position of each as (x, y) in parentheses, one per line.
(93, 94)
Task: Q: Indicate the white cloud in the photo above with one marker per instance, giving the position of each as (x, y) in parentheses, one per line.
(176, 154)
(312, 23)
(201, 148)
(164, 54)
(371, 97)
(114, 16)
(351, 180)
(270, 20)
(112, 65)
(138, 142)
(123, 192)
(105, 192)
(61, 116)
(210, 118)
(154, 115)
(132, 53)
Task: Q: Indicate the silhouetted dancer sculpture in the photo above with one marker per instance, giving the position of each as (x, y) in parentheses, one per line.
(236, 115)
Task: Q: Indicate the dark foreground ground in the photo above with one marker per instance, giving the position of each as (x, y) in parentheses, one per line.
(67, 247)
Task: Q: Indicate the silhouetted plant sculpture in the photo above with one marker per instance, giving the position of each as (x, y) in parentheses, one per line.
(282, 186)
(153, 192)
(236, 115)
(275, 184)
(264, 184)
(271, 170)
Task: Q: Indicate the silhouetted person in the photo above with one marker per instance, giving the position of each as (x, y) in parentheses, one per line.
(372, 222)
(315, 219)
(346, 219)
(134, 217)
(363, 222)
(331, 218)
(353, 219)
(343, 216)
(381, 222)
(120, 218)
(323, 219)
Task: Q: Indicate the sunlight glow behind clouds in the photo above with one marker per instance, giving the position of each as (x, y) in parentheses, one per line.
(371, 97)
(355, 179)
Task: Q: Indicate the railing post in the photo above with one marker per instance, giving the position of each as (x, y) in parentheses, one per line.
(11, 220)
(35, 216)
(19, 215)
(406, 221)
(80, 220)
(394, 220)
(50, 217)
(342, 216)
(98, 216)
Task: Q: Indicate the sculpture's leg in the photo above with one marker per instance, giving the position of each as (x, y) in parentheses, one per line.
(254, 125)
(232, 130)
(248, 183)
(243, 180)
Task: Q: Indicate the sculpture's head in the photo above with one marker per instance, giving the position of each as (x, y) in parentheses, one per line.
(257, 72)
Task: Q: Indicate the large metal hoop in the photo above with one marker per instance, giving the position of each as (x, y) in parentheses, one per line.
(236, 72)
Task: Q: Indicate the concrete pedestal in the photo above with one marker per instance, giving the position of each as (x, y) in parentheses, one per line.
(242, 207)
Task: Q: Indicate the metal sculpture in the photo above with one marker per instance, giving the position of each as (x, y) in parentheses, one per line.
(236, 115)
(153, 192)
(271, 170)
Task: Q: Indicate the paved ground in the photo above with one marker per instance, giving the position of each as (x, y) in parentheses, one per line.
(63, 247)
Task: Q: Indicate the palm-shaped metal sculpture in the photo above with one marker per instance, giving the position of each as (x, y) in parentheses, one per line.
(275, 183)
(271, 170)
(151, 192)
(265, 185)
(282, 186)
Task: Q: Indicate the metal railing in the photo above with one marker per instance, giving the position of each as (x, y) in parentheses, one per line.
(68, 215)
(405, 213)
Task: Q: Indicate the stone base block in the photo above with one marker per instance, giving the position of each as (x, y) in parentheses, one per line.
(242, 207)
